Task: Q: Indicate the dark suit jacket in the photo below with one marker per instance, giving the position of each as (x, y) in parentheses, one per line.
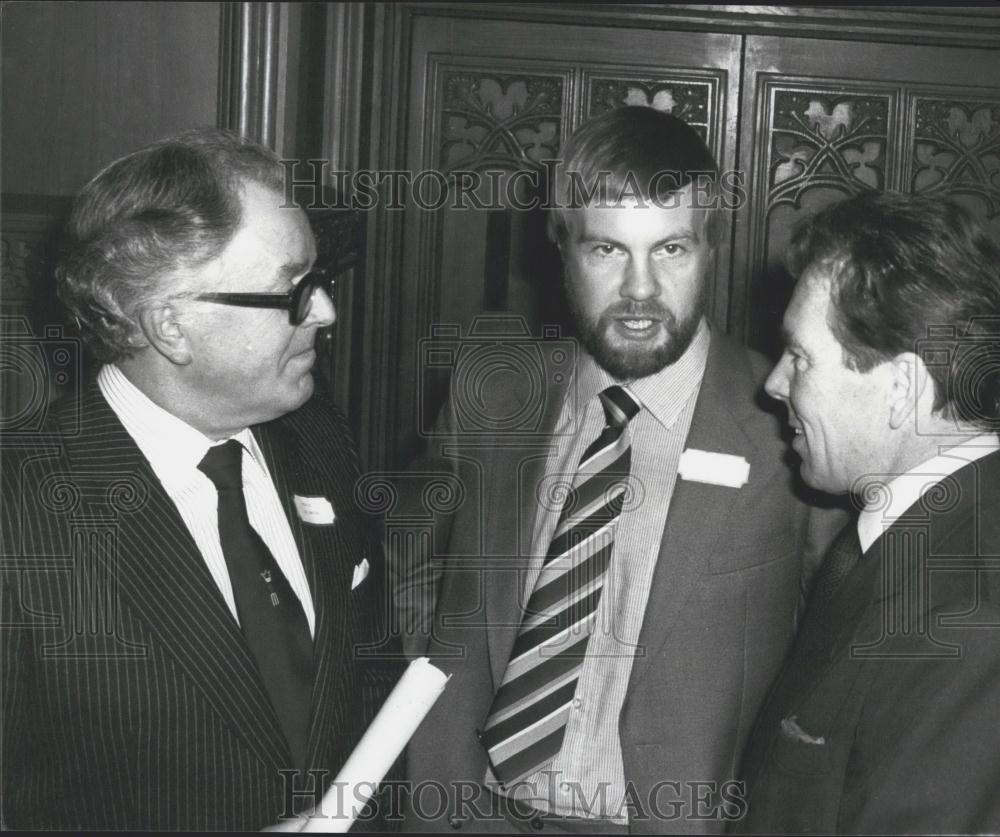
(885, 716)
(721, 609)
(130, 699)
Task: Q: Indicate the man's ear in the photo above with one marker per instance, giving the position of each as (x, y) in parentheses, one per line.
(165, 332)
(910, 387)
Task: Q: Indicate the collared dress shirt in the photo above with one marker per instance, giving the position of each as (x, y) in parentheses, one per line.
(174, 449)
(890, 500)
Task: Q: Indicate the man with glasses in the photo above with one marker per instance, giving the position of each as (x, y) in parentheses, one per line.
(193, 630)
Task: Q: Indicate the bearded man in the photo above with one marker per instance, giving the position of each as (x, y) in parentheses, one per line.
(620, 579)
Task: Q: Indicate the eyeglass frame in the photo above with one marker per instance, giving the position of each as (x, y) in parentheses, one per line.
(292, 302)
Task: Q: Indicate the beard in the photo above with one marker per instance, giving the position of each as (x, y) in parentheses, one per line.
(630, 360)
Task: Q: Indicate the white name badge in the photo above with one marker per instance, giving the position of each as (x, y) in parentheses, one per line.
(724, 469)
(314, 510)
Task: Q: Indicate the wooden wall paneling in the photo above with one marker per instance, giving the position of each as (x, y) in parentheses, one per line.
(966, 25)
(248, 78)
(826, 119)
(495, 117)
(388, 39)
(86, 82)
(951, 146)
(343, 147)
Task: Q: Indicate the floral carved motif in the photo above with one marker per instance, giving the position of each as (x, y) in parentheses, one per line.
(506, 121)
(690, 101)
(824, 139)
(956, 148)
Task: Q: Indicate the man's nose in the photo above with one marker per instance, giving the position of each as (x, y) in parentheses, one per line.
(641, 281)
(776, 384)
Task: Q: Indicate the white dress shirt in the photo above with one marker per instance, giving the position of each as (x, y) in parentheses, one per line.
(174, 449)
(890, 500)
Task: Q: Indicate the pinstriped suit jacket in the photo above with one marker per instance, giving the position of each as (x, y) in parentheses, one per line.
(130, 699)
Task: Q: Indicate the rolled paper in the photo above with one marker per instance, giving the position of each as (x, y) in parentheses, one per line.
(403, 711)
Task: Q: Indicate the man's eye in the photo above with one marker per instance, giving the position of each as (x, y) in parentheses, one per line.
(605, 249)
(674, 249)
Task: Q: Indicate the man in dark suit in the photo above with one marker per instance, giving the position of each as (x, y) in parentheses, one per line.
(193, 628)
(884, 716)
(617, 579)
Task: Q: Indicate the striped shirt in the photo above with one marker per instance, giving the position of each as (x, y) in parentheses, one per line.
(174, 449)
(587, 777)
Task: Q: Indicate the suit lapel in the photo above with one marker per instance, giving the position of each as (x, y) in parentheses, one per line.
(698, 511)
(295, 473)
(525, 464)
(163, 578)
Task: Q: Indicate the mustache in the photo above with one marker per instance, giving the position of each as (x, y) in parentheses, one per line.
(649, 309)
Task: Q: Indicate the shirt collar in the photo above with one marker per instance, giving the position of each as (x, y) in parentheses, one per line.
(172, 446)
(904, 490)
(663, 394)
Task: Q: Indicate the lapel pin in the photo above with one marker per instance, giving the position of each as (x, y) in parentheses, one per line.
(266, 575)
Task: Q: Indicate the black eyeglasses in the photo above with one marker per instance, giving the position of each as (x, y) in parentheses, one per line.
(297, 302)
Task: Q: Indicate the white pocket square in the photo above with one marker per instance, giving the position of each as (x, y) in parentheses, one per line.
(791, 729)
(360, 573)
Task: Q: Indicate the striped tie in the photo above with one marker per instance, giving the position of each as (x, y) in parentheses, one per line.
(527, 721)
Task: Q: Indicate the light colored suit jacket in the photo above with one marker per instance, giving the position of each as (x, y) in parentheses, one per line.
(719, 619)
(131, 700)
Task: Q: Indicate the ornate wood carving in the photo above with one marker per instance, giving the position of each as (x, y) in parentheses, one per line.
(494, 120)
(956, 149)
(824, 139)
(692, 101)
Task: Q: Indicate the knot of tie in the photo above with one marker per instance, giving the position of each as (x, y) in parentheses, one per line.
(223, 465)
(620, 405)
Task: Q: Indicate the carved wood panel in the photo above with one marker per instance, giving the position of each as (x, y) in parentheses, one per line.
(689, 95)
(491, 119)
(823, 121)
(953, 148)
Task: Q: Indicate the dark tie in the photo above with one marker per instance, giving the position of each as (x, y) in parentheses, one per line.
(527, 722)
(837, 564)
(270, 614)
